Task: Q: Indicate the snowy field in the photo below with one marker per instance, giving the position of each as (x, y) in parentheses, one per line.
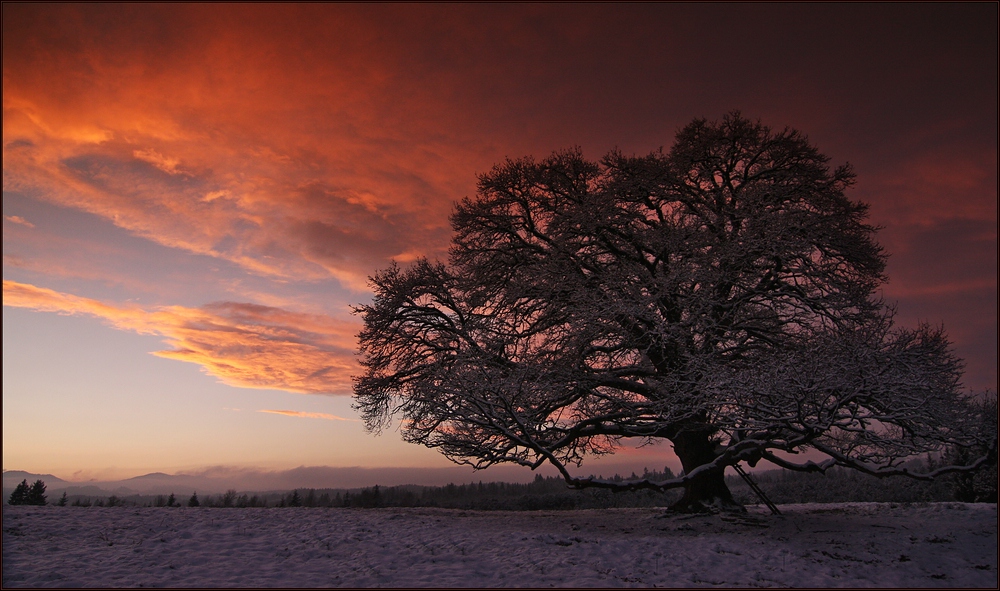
(843, 545)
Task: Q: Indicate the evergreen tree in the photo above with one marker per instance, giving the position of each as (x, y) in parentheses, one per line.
(63, 500)
(193, 501)
(295, 501)
(20, 494)
(172, 501)
(36, 495)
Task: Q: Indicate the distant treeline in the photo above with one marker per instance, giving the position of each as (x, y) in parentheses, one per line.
(780, 486)
(842, 485)
(542, 493)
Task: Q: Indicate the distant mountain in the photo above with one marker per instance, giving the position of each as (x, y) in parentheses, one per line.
(148, 476)
(218, 479)
(12, 478)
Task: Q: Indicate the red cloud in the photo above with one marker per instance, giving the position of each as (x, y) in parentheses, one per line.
(256, 153)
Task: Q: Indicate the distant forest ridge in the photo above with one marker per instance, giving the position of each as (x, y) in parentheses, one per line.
(780, 486)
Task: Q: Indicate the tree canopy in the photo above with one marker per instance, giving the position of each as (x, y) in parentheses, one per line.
(722, 296)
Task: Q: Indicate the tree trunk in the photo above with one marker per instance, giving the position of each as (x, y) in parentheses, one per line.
(708, 492)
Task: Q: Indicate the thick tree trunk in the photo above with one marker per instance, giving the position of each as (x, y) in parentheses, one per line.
(708, 492)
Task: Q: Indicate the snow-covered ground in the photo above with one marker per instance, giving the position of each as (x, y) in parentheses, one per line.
(843, 545)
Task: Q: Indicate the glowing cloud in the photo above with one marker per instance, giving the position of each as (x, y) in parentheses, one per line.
(244, 345)
(167, 165)
(16, 219)
(248, 152)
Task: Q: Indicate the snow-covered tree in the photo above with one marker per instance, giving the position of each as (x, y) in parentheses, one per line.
(979, 486)
(721, 296)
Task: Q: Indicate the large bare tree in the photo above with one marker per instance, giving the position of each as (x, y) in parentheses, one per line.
(721, 296)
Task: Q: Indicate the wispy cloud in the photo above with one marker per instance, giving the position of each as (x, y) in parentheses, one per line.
(16, 219)
(294, 168)
(904, 290)
(930, 188)
(340, 138)
(167, 165)
(244, 345)
(307, 415)
(331, 143)
(316, 216)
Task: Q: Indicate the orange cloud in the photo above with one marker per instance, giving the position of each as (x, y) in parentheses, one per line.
(167, 165)
(305, 142)
(316, 141)
(16, 219)
(308, 415)
(244, 345)
(286, 155)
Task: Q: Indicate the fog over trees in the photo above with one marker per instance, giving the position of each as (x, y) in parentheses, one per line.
(722, 296)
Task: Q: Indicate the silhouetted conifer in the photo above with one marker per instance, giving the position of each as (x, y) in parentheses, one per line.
(193, 501)
(20, 494)
(36, 495)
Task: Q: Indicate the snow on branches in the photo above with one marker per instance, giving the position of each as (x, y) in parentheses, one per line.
(721, 296)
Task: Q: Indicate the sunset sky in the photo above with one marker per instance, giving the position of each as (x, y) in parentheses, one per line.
(194, 196)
